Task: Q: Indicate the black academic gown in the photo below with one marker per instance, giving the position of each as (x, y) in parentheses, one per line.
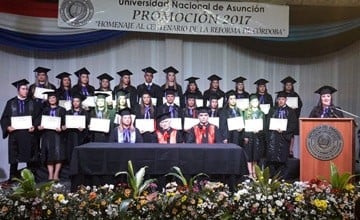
(208, 93)
(191, 136)
(132, 94)
(265, 99)
(279, 142)
(154, 90)
(64, 94)
(331, 112)
(178, 92)
(148, 137)
(97, 136)
(53, 142)
(164, 108)
(160, 134)
(114, 136)
(243, 95)
(77, 89)
(22, 144)
(234, 137)
(75, 137)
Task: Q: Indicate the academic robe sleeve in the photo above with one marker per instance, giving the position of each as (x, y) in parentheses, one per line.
(138, 138)
(6, 119)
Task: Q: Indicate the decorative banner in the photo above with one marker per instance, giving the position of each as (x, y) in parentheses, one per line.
(177, 17)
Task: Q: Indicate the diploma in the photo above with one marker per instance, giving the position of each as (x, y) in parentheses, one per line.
(265, 108)
(214, 121)
(190, 122)
(292, 102)
(75, 121)
(145, 125)
(50, 122)
(66, 104)
(38, 93)
(199, 102)
(254, 125)
(278, 124)
(99, 124)
(89, 101)
(176, 123)
(108, 98)
(242, 103)
(236, 123)
(21, 122)
(176, 100)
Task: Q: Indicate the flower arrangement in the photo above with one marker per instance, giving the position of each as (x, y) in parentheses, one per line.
(259, 198)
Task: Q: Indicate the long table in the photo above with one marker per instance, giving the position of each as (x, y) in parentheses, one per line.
(96, 163)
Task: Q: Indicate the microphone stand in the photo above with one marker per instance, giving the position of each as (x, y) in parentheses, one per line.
(349, 113)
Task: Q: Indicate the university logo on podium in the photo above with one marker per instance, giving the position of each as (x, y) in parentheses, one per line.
(76, 13)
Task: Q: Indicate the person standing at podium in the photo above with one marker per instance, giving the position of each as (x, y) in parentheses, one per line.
(325, 107)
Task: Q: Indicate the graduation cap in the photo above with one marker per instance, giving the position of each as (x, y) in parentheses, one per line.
(149, 70)
(281, 94)
(261, 82)
(253, 96)
(20, 82)
(125, 111)
(63, 75)
(101, 95)
(145, 91)
(170, 91)
(171, 69)
(41, 70)
(203, 109)
(230, 93)
(125, 72)
(288, 79)
(79, 96)
(163, 116)
(192, 79)
(82, 71)
(240, 79)
(121, 92)
(105, 76)
(51, 93)
(214, 77)
(326, 90)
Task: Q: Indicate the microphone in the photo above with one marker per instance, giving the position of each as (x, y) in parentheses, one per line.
(333, 112)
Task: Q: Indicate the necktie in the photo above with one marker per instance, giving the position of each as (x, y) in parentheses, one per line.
(148, 87)
(325, 112)
(53, 112)
(262, 99)
(21, 106)
(84, 91)
(233, 112)
(76, 113)
(171, 110)
(126, 136)
(281, 113)
(190, 112)
(212, 114)
(166, 136)
(147, 113)
(100, 115)
(67, 95)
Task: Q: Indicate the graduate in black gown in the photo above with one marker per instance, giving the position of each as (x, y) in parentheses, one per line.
(288, 87)
(41, 81)
(154, 89)
(230, 111)
(165, 134)
(214, 89)
(64, 90)
(53, 140)
(76, 136)
(192, 89)
(172, 84)
(22, 144)
(170, 106)
(83, 86)
(214, 106)
(240, 88)
(261, 91)
(125, 132)
(277, 151)
(125, 84)
(325, 107)
(146, 110)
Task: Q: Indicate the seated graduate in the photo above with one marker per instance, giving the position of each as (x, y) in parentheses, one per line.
(126, 132)
(164, 133)
(214, 106)
(192, 89)
(169, 105)
(204, 132)
(190, 110)
(325, 107)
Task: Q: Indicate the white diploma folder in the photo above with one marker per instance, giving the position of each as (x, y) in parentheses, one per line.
(38, 93)
(190, 122)
(254, 125)
(89, 101)
(66, 104)
(176, 123)
(214, 121)
(242, 103)
(292, 102)
(265, 108)
(99, 124)
(75, 121)
(199, 102)
(50, 122)
(21, 122)
(278, 124)
(236, 123)
(176, 100)
(145, 125)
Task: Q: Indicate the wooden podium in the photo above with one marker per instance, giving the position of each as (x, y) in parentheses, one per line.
(323, 140)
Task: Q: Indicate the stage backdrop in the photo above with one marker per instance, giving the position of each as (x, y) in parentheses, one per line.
(107, 51)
